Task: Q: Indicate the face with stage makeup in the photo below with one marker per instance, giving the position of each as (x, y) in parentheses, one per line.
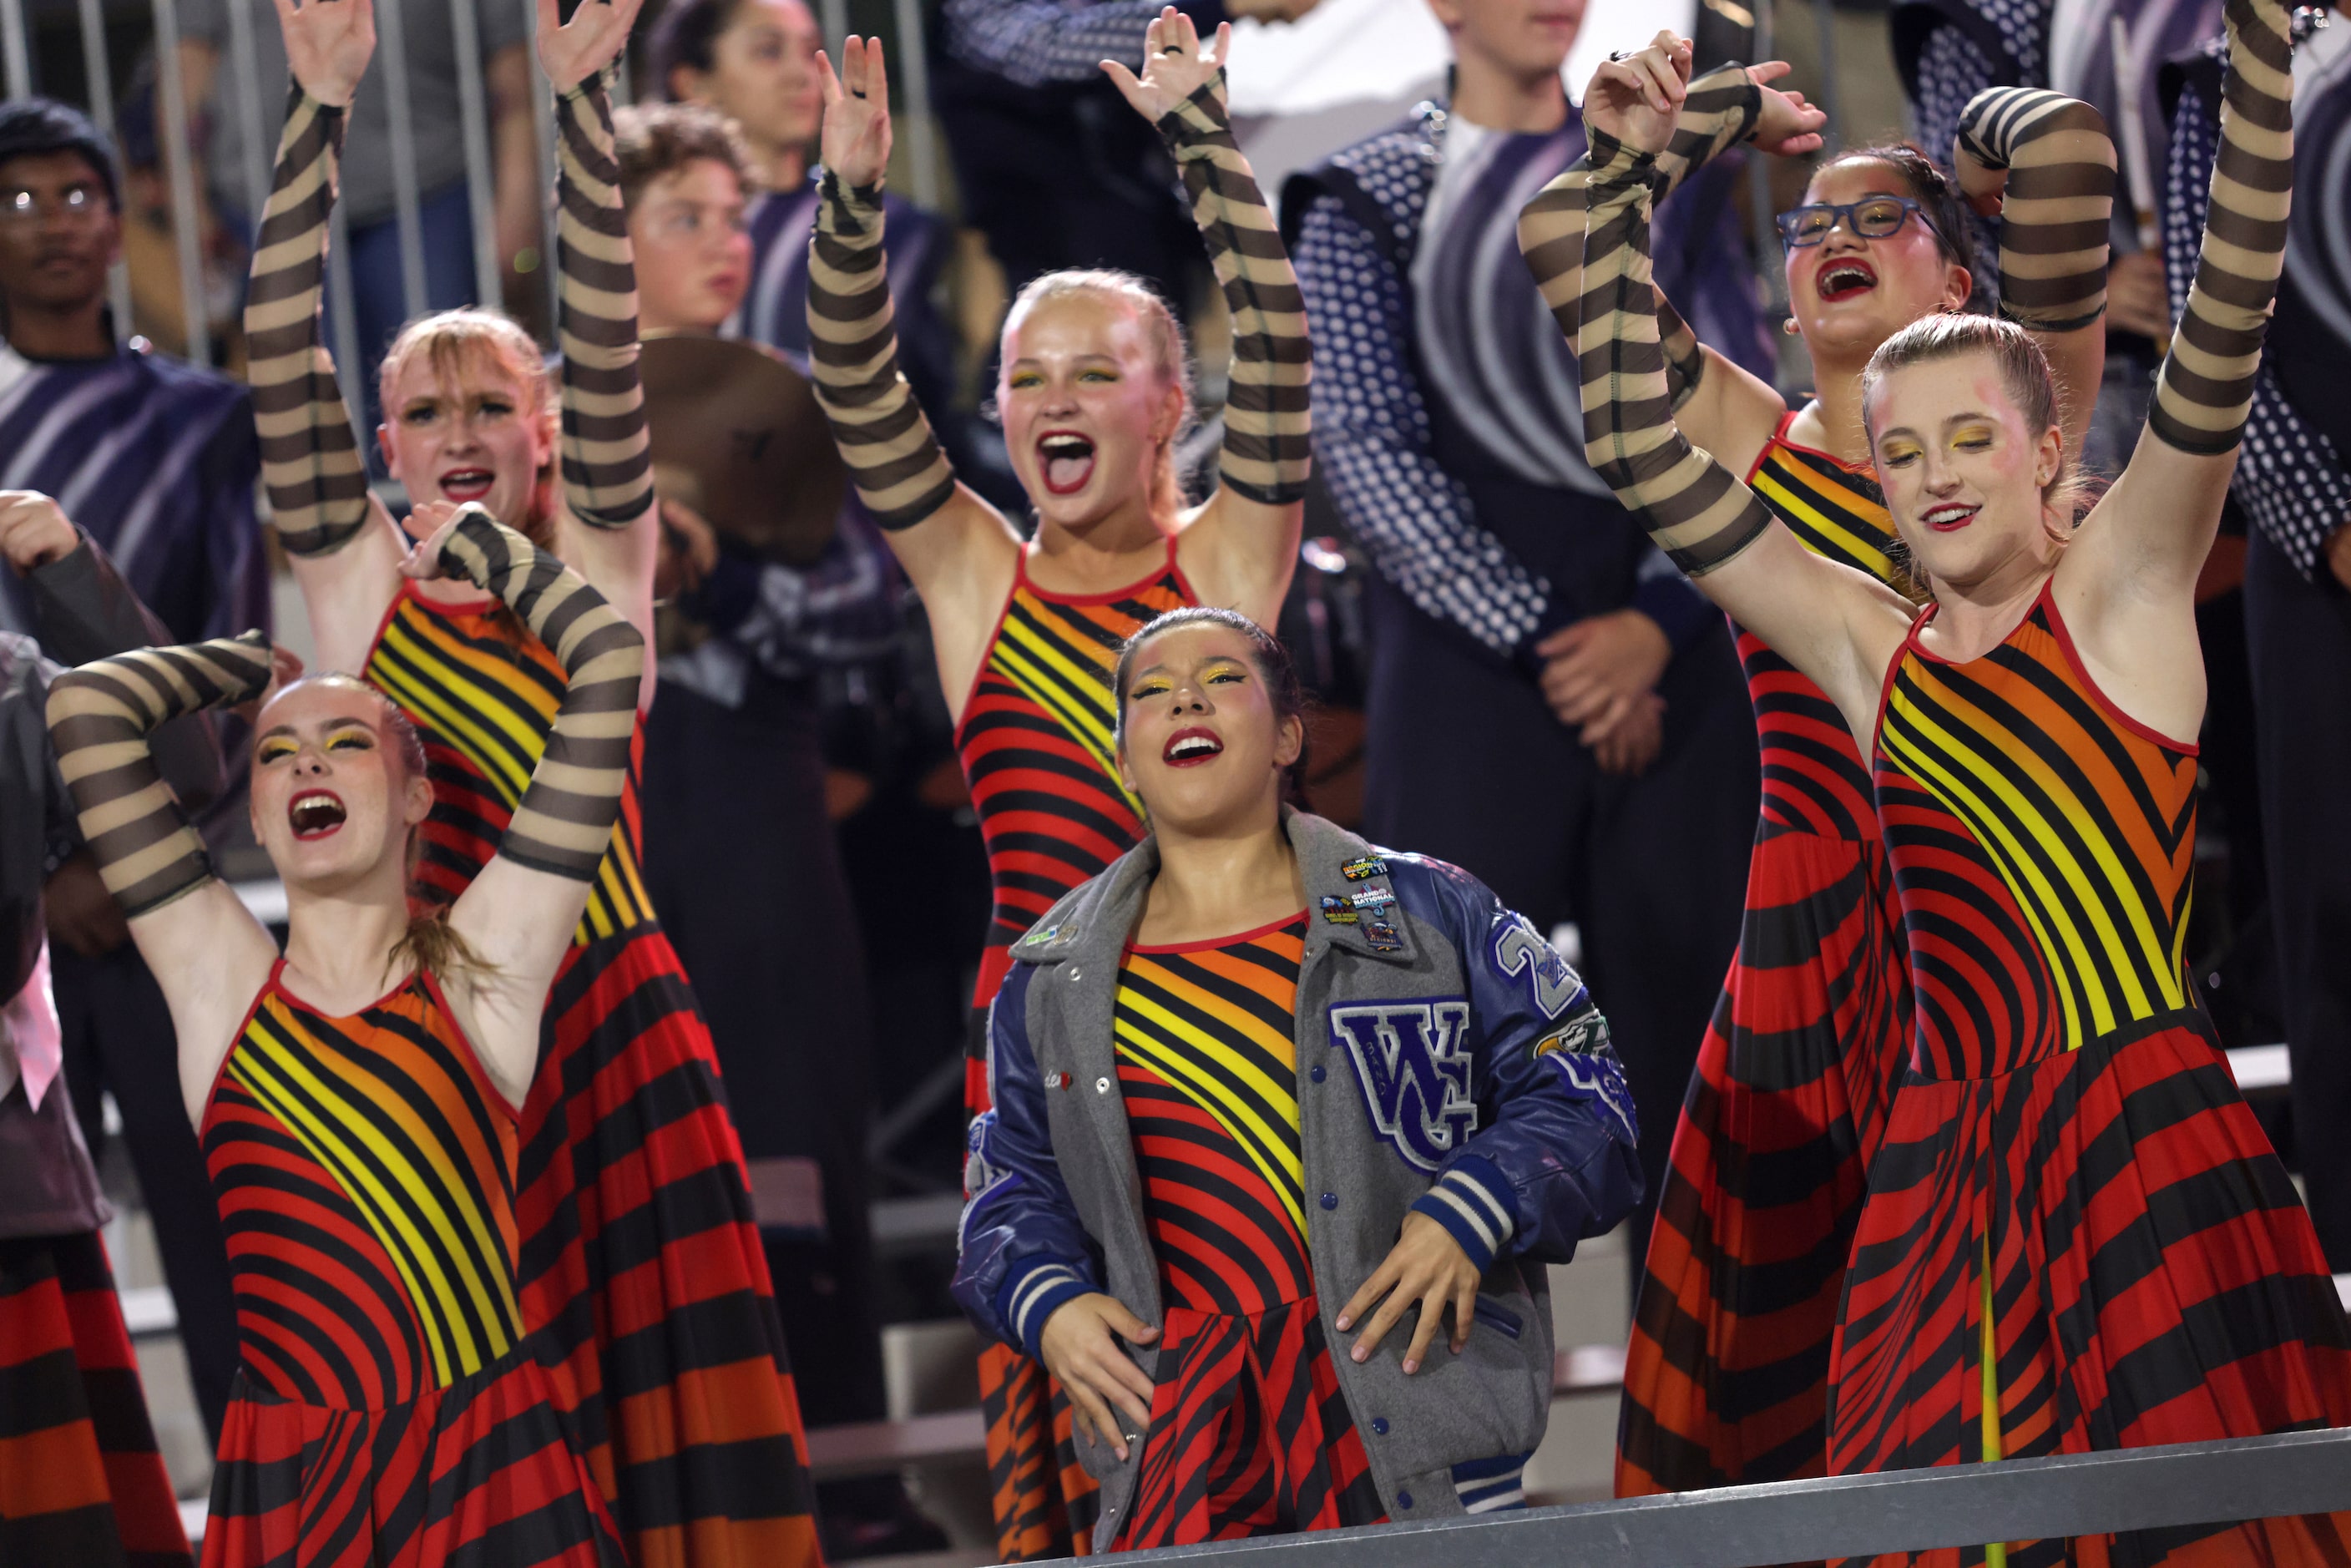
(1851, 291)
(1208, 726)
(1092, 397)
(467, 418)
(339, 786)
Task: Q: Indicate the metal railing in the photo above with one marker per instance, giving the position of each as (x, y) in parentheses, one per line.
(242, 94)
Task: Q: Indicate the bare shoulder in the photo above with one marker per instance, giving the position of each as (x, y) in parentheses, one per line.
(1240, 553)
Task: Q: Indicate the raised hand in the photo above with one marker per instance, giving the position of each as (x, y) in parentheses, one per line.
(1788, 125)
(1175, 66)
(327, 46)
(571, 52)
(855, 145)
(431, 523)
(34, 530)
(1637, 97)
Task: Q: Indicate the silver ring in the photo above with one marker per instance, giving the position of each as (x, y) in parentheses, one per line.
(1619, 58)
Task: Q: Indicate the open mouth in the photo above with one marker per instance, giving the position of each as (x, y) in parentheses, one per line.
(1846, 280)
(1190, 748)
(468, 484)
(1950, 518)
(1067, 460)
(315, 813)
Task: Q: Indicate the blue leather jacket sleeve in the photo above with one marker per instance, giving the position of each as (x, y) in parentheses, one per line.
(1021, 1250)
(1553, 1159)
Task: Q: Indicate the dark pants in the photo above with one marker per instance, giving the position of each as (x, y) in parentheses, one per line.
(745, 872)
(1465, 761)
(2299, 634)
(118, 1037)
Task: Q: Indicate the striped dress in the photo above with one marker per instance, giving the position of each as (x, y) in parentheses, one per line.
(1249, 1433)
(387, 1409)
(1726, 1376)
(641, 1266)
(2076, 1236)
(1036, 744)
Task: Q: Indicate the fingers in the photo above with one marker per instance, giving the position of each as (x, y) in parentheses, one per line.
(550, 17)
(1465, 1311)
(1432, 1313)
(828, 86)
(1371, 1290)
(1128, 88)
(1566, 640)
(1390, 1313)
(1768, 71)
(1222, 47)
(1126, 1325)
(1090, 1416)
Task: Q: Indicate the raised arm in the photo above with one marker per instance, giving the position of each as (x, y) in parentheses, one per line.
(1839, 626)
(959, 551)
(344, 549)
(2051, 163)
(519, 914)
(1241, 545)
(2126, 584)
(1723, 407)
(210, 956)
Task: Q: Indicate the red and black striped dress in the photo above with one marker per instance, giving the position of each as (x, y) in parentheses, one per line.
(1037, 740)
(1726, 1376)
(644, 1282)
(1249, 1434)
(387, 1408)
(2076, 1236)
(80, 1479)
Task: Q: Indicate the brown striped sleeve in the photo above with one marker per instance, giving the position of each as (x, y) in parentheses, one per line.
(1694, 508)
(1719, 112)
(1268, 453)
(564, 821)
(309, 454)
(2059, 201)
(100, 716)
(892, 457)
(608, 470)
(2205, 389)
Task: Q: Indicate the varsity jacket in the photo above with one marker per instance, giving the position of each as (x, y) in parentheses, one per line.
(1449, 1063)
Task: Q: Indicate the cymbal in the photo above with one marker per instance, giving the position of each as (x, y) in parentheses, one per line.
(737, 437)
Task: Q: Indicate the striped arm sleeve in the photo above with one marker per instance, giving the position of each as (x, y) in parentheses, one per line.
(1033, 1290)
(608, 466)
(564, 821)
(100, 716)
(2059, 201)
(1720, 112)
(1472, 1201)
(893, 459)
(309, 454)
(2205, 388)
(1694, 510)
(1268, 423)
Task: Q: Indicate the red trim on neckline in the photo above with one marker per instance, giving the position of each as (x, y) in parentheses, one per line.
(221, 1071)
(1779, 438)
(490, 1091)
(1020, 578)
(2065, 636)
(1235, 940)
(278, 983)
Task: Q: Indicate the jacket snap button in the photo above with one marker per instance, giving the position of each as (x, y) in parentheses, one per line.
(1404, 1499)
(1380, 1425)
(1102, 1085)
(1317, 1074)
(1073, 976)
(1329, 1200)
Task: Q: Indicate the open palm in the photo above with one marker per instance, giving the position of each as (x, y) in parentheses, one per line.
(1175, 66)
(571, 52)
(855, 144)
(327, 45)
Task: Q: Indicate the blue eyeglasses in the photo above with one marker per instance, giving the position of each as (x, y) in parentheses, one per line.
(1872, 217)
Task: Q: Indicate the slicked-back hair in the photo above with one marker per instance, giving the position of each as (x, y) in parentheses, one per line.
(1271, 659)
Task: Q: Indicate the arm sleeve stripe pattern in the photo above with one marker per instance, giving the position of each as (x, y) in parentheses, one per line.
(2205, 389)
(2060, 199)
(893, 459)
(1720, 112)
(1694, 508)
(309, 454)
(100, 716)
(563, 823)
(1269, 424)
(608, 471)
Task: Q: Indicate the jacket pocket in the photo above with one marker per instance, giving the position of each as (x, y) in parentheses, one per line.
(1497, 1317)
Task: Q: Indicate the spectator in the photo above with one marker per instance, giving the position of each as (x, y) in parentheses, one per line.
(1550, 707)
(156, 461)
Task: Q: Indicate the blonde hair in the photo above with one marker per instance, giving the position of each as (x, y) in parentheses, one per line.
(433, 946)
(2024, 372)
(458, 345)
(1171, 355)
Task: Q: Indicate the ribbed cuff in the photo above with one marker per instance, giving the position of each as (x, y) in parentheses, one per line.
(1038, 1287)
(1472, 1201)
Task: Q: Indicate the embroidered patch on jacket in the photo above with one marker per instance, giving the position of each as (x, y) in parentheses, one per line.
(1595, 1073)
(1519, 951)
(1413, 1060)
(1337, 910)
(1364, 870)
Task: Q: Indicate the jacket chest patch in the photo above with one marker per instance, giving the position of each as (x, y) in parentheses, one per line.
(1413, 1060)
